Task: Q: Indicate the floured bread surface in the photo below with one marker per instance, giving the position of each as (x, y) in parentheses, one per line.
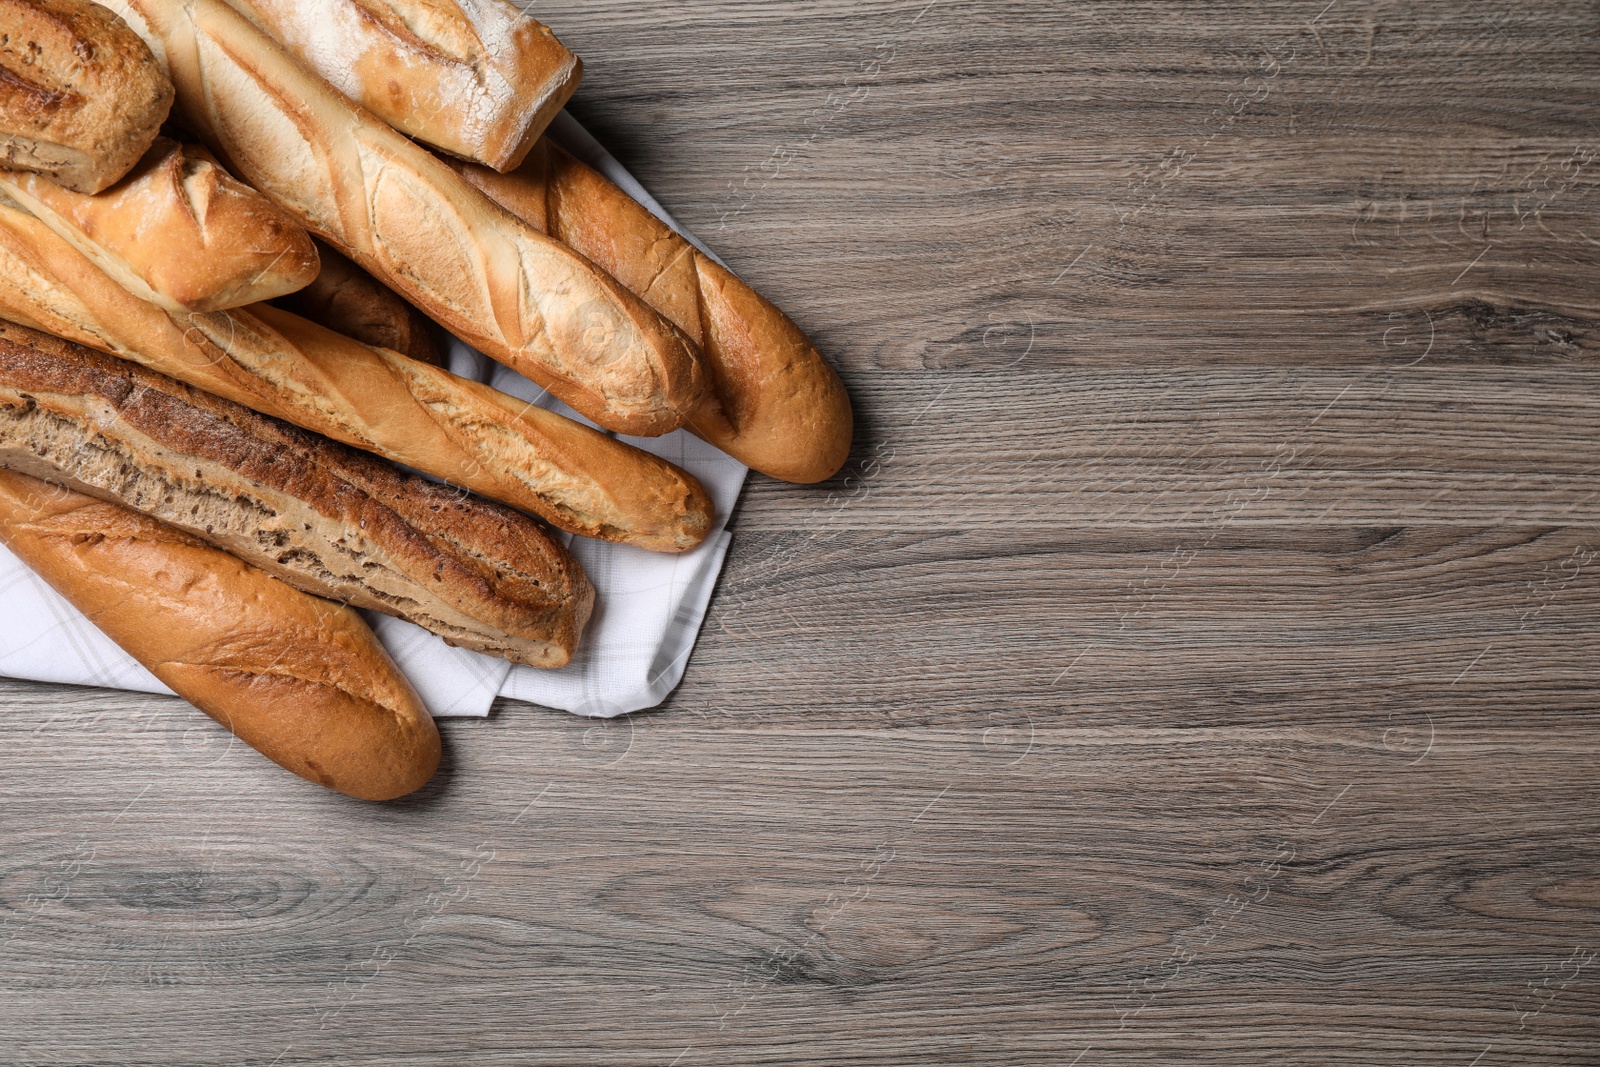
(479, 79)
(325, 518)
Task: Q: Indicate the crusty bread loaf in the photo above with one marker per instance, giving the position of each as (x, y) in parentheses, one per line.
(301, 680)
(348, 300)
(477, 78)
(777, 405)
(178, 231)
(325, 518)
(512, 292)
(81, 97)
(422, 416)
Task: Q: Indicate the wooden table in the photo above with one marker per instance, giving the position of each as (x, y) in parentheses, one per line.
(1196, 662)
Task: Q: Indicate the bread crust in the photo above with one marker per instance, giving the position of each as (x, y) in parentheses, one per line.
(327, 519)
(510, 291)
(178, 231)
(478, 79)
(348, 300)
(301, 680)
(776, 405)
(81, 96)
(371, 398)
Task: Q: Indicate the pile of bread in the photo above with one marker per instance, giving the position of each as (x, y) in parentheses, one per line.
(229, 231)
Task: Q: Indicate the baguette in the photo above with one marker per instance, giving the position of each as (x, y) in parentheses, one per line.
(264, 358)
(777, 405)
(348, 300)
(178, 231)
(81, 96)
(327, 519)
(401, 214)
(478, 79)
(302, 681)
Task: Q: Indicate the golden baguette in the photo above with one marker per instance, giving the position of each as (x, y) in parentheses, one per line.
(479, 79)
(427, 418)
(178, 231)
(325, 518)
(392, 206)
(299, 679)
(777, 405)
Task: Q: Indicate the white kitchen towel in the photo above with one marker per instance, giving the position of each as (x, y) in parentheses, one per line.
(648, 606)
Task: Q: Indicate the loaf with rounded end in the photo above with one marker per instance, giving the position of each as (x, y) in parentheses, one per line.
(327, 519)
(427, 418)
(81, 96)
(776, 405)
(301, 680)
(348, 300)
(510, 291)
(178, 231)
(479, 79)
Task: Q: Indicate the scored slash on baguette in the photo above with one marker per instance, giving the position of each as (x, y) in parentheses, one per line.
(178, 231)
(327, 519)
(300, 679)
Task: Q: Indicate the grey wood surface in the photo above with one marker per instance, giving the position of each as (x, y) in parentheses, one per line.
(1196, 662)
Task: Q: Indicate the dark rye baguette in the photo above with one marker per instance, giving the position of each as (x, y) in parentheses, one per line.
(325, 518)
(299, 679)
(81, 96)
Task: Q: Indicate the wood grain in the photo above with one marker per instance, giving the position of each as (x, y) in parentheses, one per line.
(1195, 663)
